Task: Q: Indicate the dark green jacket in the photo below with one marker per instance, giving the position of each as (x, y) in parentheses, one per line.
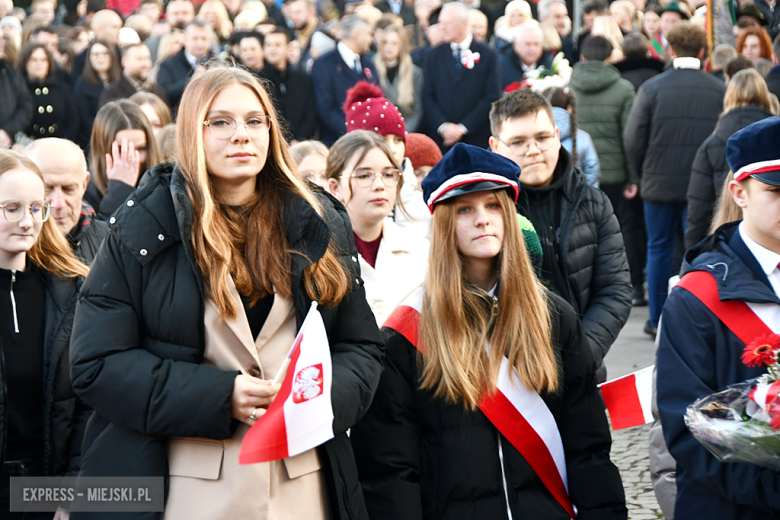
(604, 101)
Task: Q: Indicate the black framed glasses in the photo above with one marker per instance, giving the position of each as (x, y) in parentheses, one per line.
(13, 210)
(521, 146)
(364, 177)
(225, 127)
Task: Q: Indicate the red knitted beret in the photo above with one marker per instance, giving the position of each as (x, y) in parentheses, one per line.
(367, 109)
(422, 150)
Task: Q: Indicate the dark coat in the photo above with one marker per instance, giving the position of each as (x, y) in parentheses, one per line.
(140, 321)
(54, 110)
(637, 71)
(512, 69)
(17, 106)
(65, 415)
(174, 74)
(710, 170)
(698, 356)
(673, 114)
(590, 249)
(455, 94)
(86, 96)
(86, 237)
(773, 80)
(332, 78)
(421, 458)
(123, 89)
(406, 14)
(293, 94)
(105, 204)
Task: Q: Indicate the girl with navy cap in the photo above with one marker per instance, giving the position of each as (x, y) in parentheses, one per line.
(701, 343)
(488, 406)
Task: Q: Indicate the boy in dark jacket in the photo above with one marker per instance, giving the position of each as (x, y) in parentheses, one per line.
(699, 355)
(584, 260)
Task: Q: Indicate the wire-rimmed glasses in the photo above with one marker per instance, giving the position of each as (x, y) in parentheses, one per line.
(13, 210)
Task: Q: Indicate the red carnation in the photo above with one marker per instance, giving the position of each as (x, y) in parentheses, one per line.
(761, 351)
(517, 85)
(362, 91)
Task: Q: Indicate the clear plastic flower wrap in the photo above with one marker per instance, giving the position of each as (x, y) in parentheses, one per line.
(737, 424)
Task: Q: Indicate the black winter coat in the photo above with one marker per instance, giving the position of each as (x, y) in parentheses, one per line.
(673, 114)
(589, 246)
(139, 338)
(65, 415)
(637, 71)
(105, 204)
(420, 458)
(293, 95)
(54, 111)
(86, 96)
(16, 106)
(710, 170)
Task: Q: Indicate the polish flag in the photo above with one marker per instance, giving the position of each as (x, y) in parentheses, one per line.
(301, 416)
(628, 399)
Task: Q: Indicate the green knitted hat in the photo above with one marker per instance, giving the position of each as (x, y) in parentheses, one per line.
(532, 243)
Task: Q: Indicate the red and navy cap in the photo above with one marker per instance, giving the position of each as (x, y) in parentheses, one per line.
(753, 151)
(468, 169)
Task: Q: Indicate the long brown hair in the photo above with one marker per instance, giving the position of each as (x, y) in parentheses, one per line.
(726, 209)
(91, 75)
(405, 99)
(745, 88)
(457, 320)
(51, 251)
(112, 118)
(249, 244)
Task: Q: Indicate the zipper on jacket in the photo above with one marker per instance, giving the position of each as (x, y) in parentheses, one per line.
(503, 474)
(13, 302)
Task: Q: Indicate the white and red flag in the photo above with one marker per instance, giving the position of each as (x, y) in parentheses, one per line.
(301, 416)
(628, 399)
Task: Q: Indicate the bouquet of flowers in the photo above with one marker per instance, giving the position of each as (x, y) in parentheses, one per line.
(741, 423)
(539, 79)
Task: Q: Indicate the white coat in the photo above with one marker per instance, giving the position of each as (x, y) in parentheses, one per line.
(399, 268)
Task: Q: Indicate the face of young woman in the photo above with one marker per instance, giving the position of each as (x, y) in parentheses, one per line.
(391, 47)
(19, 237)
(312, 167)
(371, 204)
(479, 229)
(752, 47)
(396, 143)
(234, 162)
(652, 23)
(151, 115)
(100, 58)
(38, 65)
(138, 138)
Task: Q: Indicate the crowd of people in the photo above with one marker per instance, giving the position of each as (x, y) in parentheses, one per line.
(180, 181)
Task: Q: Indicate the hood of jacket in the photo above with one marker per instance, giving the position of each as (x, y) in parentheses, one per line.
(593, 76)
(563, 122)
(735, 279)
(737, 119)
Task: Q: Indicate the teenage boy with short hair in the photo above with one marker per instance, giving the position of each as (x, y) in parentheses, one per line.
(584, 260)
(701, 342)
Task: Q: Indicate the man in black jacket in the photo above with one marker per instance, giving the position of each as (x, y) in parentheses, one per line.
(136, 65)
(66, 177)
(176, 71)
(291, 88)
(672, 115)
(584, 260)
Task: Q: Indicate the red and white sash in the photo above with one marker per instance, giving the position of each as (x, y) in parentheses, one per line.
(520, 414)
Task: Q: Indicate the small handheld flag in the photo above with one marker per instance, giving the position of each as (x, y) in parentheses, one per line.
(628, 399)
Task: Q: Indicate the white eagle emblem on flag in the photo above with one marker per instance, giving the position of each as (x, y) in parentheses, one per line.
(307, 384)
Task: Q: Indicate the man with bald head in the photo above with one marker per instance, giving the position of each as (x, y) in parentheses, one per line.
(66, 177)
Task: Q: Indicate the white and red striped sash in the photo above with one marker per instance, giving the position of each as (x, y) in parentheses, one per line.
(518, 413)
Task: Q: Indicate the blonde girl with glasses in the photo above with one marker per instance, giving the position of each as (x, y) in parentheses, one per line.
(191, 308)
(366, 177)
(42, 419)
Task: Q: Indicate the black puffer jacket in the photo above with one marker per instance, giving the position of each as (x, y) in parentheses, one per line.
(65, 415)
(637, 71)
(16, 106)
(139, 338)
(589, 247)
(420, 458)
(710, 170)
(673, 114)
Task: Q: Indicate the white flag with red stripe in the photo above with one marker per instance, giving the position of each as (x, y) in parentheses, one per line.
(301, 416)
(628, 399)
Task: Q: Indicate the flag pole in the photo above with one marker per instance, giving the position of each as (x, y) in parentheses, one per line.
(283, 369)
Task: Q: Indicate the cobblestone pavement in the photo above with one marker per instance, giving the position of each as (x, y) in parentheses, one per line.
(629, 453)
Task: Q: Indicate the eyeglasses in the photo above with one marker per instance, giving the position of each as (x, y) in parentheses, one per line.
(365, 177)
(13, 210)
(313, 176)
(521, 146)
(225, 127)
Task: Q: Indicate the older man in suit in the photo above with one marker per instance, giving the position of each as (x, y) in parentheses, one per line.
(337, 71)
(461, 81)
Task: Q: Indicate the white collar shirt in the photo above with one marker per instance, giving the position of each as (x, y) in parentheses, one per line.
(768, 260)
(462, 46)
(349, 57)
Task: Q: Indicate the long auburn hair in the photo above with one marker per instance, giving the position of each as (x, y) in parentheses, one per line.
(51, 251)
(457, 321)
(249, 243)
(764, 41)
(405, 99)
